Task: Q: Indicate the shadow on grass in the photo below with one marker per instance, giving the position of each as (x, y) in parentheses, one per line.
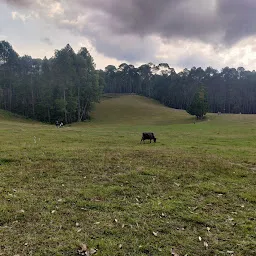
(6, 161)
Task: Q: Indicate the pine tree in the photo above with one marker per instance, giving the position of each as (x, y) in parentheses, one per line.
(199, 105)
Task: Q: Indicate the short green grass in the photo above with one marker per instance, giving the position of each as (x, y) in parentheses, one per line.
(94, 183)
(135, 110)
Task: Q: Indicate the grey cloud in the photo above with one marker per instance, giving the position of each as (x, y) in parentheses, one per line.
(19, 3)
(126, 48)
(46, 40)
(238, 19)
(110, 23)
(194, 61)
(218, 21)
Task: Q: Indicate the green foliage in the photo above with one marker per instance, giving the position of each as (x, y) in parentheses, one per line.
(230, 91)
(63, 87)
(30, 86)
(60, 105)
(199, 105)
(7, 54)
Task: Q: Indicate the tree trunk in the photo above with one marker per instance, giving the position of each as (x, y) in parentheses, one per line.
(10, 98)
(65, 111)
(49, 115)
(78, 106)
(83, 112)
(33, 99)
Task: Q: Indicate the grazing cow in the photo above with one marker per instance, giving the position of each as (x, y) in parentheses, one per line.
(148, 136)
(59, 124)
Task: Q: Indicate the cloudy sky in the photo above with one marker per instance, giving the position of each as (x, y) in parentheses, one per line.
(182, 33)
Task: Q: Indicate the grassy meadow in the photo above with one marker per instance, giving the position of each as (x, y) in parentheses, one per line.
(94, 183)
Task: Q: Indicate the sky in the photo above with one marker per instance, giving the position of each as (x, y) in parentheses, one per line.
(182, 33)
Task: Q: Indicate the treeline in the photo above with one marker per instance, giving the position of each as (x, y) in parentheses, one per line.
(229, 91)
(62, 88)
(65, 86)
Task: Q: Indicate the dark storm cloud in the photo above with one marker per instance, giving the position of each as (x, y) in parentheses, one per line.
(237, 18)
(219, 21)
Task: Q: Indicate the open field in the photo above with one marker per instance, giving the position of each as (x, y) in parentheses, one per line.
(94, 183)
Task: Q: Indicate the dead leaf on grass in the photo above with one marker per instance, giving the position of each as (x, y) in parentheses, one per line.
(155, 233)
(174, 253)
(84, 250)
(206, 244)
(92, 251)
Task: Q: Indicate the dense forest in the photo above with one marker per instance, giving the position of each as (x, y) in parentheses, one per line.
(65, 86)
(62, 88)
(229, 91)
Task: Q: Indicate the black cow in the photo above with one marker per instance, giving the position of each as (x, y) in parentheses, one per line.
(148, 136)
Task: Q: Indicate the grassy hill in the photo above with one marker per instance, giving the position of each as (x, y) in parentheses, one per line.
(8, 116)
(134, 109)
(95, 183)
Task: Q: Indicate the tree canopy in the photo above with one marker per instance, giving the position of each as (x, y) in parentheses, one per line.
(199, 105)
(65, 86)
(229, 90)
(61, 88)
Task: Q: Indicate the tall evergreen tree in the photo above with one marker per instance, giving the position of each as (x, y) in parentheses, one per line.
(199, 105)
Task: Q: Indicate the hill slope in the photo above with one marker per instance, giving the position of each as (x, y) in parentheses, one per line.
(8, 116)
(134, 109)
(127, 109)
